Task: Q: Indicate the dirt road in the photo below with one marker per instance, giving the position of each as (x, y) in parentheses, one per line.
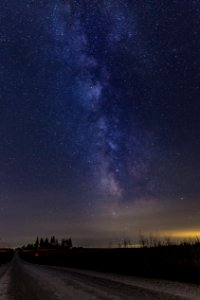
(20, 280)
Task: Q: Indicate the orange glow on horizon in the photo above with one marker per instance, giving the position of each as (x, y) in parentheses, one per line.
(183, 234)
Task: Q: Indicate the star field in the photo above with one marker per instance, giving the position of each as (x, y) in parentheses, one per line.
(99, 118)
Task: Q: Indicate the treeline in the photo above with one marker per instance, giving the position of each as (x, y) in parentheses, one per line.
(52, 243)
(156, 242)
(152, 241)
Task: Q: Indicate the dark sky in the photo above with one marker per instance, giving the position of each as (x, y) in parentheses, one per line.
(99, 119)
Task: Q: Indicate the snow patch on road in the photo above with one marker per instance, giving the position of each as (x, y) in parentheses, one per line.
(185, 290)
(62, 287)
(4, 282)
(59, 281)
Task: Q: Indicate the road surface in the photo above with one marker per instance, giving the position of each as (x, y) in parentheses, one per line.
(20, 280)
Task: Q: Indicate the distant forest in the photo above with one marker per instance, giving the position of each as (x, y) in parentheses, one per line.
(52, 243)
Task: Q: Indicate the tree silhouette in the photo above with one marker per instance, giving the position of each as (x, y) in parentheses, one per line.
(53, 241)
(41, 243)
(66, 243)
(46, 243)
(36, 242)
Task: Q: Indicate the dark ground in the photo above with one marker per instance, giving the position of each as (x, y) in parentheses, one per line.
(179, 263)
(38, 282)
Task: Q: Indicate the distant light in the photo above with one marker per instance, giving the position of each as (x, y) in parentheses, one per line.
(183, 234)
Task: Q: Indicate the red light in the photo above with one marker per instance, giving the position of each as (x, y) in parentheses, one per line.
(36, 254)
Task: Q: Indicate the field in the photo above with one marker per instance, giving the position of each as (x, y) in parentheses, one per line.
(180, 263)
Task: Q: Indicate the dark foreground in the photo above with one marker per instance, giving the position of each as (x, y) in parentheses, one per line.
(178, 263)
(20, 280)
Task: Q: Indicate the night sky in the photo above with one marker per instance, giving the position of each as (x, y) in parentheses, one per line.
(99, 119)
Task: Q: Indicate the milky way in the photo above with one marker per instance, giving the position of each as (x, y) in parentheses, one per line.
(91, 36)
(99, 118)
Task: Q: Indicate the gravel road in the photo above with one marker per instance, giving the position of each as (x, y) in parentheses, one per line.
(20, 280)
